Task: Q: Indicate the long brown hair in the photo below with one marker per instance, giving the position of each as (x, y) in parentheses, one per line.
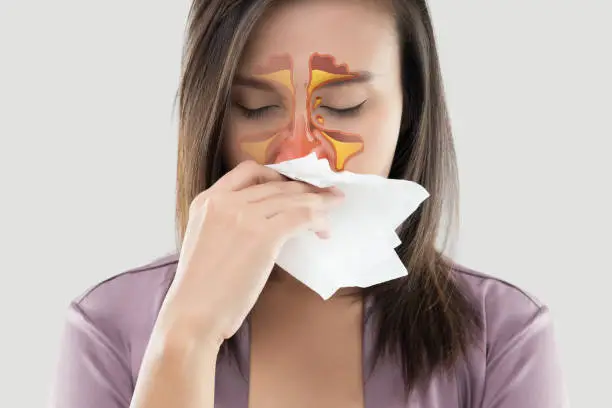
(424, 318)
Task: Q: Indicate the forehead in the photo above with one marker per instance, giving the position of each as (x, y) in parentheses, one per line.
(354, 32)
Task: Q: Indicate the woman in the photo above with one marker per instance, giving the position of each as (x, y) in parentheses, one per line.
(358, 83)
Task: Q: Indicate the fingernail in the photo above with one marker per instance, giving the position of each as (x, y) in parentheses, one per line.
(323, 234)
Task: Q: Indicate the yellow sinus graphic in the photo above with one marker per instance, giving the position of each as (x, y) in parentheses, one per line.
(304, 133)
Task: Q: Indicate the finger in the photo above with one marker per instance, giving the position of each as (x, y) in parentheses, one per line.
(245, 174)
(325, 234)
(264, 191)
(285, 224)
(289, 202)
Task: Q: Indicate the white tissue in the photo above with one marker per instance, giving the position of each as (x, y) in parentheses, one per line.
(361, 249)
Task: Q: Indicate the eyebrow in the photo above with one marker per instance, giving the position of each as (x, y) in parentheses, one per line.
(262, 84)
(362, 77)
(253, 82)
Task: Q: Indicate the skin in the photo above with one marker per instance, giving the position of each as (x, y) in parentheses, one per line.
(281, 55)
(298, 342)
(301, 132)
(323, 350)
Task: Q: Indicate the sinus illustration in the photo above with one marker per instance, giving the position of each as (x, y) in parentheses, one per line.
(305, 130)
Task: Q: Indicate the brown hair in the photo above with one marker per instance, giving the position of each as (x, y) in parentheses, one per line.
(424, 318)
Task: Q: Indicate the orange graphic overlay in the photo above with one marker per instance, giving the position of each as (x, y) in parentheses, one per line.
(323, 70)
(304, 134)
(279, 70)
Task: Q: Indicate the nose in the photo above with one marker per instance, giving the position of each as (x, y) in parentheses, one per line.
(298, 141)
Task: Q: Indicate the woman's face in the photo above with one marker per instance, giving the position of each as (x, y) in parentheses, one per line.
(319, 76)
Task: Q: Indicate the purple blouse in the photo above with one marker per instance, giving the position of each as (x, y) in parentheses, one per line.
(515, 365)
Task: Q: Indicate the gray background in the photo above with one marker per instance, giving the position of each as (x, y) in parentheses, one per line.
(87, 160)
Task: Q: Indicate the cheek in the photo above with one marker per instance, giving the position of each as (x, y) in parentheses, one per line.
(240, 130)
(379, 130)
(231, 142)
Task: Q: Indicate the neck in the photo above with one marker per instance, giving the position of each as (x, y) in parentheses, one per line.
(288, 305)
(292, 290)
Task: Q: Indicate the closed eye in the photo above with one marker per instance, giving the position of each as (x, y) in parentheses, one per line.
(256, 113)
(350, 111)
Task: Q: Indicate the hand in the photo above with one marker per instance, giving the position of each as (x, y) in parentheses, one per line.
(234, 234)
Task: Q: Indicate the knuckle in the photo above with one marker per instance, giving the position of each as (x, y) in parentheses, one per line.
(307, 214)
(212, 203)
(217, 205)
(313, 200)
(248, 165)
(277, 188)
(300, 186)
(237, 214)
(197, 202)
(319, 199)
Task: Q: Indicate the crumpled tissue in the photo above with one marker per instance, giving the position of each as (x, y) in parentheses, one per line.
(361, 249)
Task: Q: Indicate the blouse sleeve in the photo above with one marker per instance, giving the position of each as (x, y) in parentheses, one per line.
(523, 370)
(92, 371)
